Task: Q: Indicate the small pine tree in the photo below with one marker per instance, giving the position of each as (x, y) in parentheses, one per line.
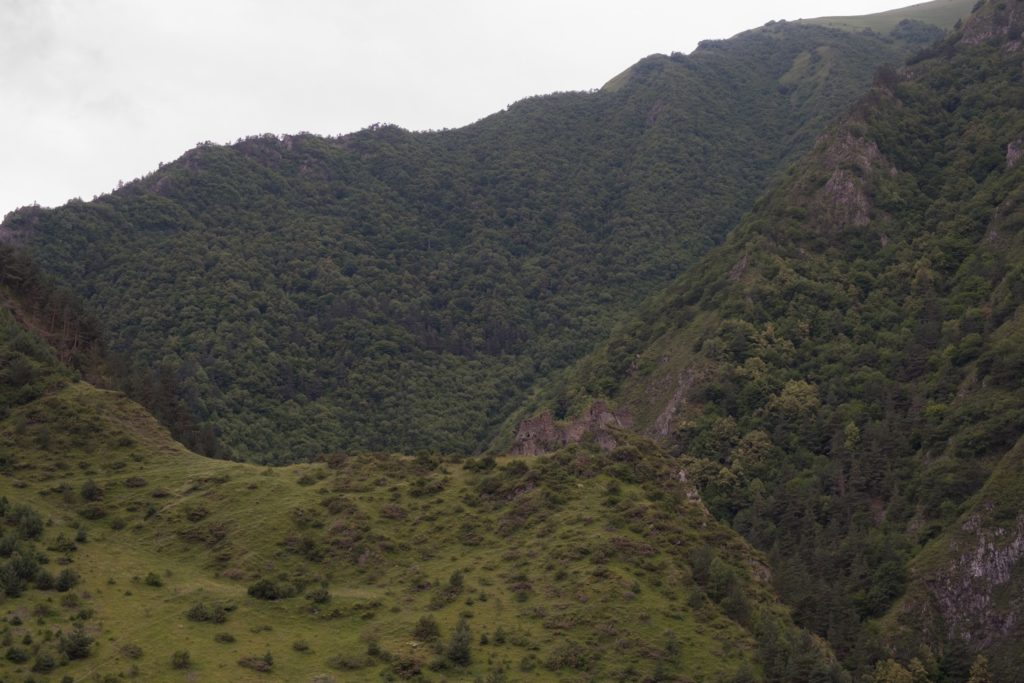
(77, 644)
(979, 671)
(458, 648)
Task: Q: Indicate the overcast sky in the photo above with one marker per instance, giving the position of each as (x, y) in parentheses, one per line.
(95, 91)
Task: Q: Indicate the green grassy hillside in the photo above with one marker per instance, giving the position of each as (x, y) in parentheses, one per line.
(942, 13)
(277, 299)
(579, 565)
(124, 555)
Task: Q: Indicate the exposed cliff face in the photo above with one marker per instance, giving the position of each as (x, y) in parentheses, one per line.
(844, 202)
(967, 586)
(665, 422)
(965, 590)
(1014, 152)
(997, 22)
(541, 433)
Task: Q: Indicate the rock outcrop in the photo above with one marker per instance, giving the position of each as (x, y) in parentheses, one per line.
(541, 433)
(1014, 152)
(965, 592)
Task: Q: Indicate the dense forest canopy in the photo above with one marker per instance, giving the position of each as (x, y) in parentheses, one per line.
(277, 299)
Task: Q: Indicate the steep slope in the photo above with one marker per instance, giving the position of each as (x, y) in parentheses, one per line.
(122, 554)
(390, 290)
(843, 376)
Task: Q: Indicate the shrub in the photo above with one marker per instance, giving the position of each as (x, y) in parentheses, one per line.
(8, 543)
(131, 651)
(181, 660)
(196, 513)
(427, 629)
(263, 663)
(27, 521)
(202, 612)
(570, 655)
(153, 579)
(300, 646)
(319, 596)
(45, 663)
(25, 567)
(93, 512)
(45, 581)
(77, 644)
(66, 580)
(63, 544)
(91, 491)
(345, 663)
(406, 667)
(16, 655)
(224, 638)
(265, 589)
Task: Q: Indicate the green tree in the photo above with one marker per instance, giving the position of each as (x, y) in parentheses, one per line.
(458, 647)
(979, 671)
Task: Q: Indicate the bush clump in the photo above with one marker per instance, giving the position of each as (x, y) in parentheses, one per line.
(77, 644)
(91, 491)
(66, 580)
(202, 612)
(263, 663)
(16, 655)
(265, 589)
(131, 651)
(427, 629)
(181, 660)
(45, 663)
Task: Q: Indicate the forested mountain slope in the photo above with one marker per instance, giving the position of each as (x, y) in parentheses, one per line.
(280, 298)
(125, 556)
(844, 375)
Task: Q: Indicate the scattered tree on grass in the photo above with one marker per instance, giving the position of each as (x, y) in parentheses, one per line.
(458, 647)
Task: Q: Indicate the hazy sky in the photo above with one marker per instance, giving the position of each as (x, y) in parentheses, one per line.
(94, 91)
